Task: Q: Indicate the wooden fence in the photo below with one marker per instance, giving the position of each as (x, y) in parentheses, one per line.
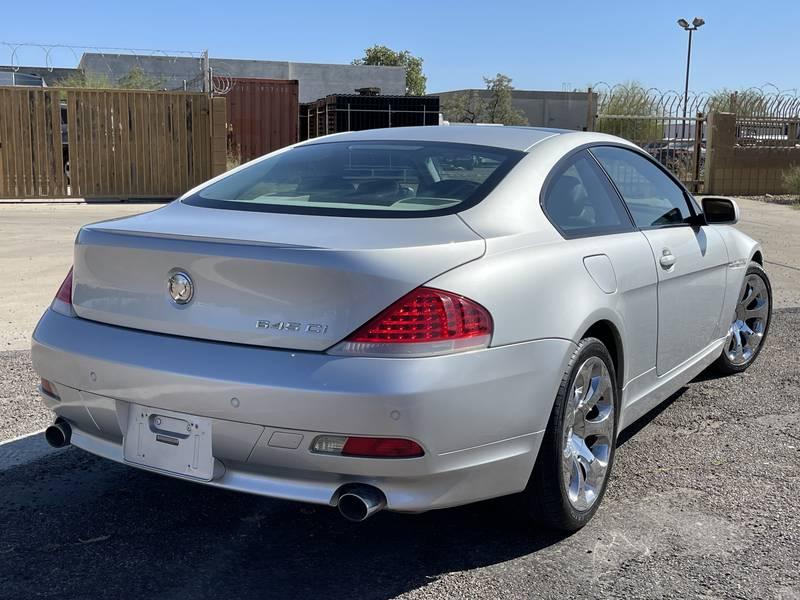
(31, 147)
(60, 143)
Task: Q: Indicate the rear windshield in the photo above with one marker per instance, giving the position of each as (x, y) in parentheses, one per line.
(394, 179)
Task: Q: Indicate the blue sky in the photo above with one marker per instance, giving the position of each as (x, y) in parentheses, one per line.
(541, 45)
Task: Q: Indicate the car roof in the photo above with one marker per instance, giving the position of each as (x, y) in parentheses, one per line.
(498, 136)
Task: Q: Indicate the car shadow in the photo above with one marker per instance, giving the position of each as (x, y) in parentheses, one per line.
(708, 375)
(80, 526)
(647, 418)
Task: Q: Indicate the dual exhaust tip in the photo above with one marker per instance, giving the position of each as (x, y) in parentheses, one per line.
(356, 502)
(359, 502)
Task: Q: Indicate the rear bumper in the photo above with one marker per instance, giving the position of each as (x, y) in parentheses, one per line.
(479, 415)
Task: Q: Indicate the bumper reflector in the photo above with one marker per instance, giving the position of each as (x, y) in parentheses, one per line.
(367, 447)
(50, 389)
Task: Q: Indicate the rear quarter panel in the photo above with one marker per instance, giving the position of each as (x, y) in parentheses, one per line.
(536, 290)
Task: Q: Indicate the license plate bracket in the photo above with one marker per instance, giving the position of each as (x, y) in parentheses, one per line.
(176, 443)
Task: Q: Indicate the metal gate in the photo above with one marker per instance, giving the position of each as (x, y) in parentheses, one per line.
(262, 116)
(61, 143)
(671, 131)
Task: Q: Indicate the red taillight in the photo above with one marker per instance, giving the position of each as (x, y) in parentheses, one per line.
(423, 323)
(65, 291)
(367, 447)
(381, 447)
(62, 303)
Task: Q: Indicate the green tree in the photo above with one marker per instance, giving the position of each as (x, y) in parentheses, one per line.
(499, 107)
(745, 103)
(629, 111)
(494, 105)
(94, 81)
(135, 79)
(464, 107)
(384, 56)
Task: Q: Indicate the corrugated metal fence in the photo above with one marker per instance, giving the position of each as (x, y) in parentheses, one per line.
(262, 116)
(60, 143)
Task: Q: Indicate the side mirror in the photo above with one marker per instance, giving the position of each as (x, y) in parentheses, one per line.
(720, 211)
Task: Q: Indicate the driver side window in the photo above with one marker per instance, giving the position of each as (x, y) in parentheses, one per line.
(654, 200)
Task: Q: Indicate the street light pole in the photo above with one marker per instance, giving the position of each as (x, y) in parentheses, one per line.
(697, 22)
(686, 85)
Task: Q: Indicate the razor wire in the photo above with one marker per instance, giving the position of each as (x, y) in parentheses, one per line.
(766, 101)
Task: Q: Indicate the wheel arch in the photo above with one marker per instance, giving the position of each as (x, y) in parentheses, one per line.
(608, 333)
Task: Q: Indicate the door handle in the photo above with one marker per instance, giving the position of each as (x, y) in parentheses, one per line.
(667, 259)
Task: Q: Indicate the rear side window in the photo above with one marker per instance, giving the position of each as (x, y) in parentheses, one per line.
(653, 198)
(401, 179)
(580, 201)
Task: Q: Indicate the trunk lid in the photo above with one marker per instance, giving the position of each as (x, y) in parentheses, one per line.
(290, 281)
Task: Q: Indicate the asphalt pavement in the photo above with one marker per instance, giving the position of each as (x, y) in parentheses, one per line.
(704, 499)
(703, 503)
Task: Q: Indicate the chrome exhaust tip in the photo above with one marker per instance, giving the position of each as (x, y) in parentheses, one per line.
(359, 502)
(58, 434)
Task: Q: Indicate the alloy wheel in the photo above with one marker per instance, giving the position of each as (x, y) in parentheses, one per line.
(750, 321)
(587, 434)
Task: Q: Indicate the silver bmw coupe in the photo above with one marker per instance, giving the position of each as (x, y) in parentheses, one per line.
(408, 319)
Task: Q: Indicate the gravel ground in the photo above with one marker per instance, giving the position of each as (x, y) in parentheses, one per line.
(702, 504)
(784, 199)
(21, 411)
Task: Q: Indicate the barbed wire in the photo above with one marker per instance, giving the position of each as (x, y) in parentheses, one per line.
(768, 101)
(104, 53)
(47, 51)
(221, 83)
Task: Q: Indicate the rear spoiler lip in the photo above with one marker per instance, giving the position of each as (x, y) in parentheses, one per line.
(97, 235)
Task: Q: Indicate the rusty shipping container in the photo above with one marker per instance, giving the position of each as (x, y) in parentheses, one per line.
(262, 116)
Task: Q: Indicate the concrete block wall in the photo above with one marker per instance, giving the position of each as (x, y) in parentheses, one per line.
(561, 110)
(316, 80)
(735, 170)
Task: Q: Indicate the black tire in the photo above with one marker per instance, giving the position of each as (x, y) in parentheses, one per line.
(724, 365)
(545, 496)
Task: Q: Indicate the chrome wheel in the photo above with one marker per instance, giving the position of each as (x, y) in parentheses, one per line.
(588, 434)
(749, 322)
